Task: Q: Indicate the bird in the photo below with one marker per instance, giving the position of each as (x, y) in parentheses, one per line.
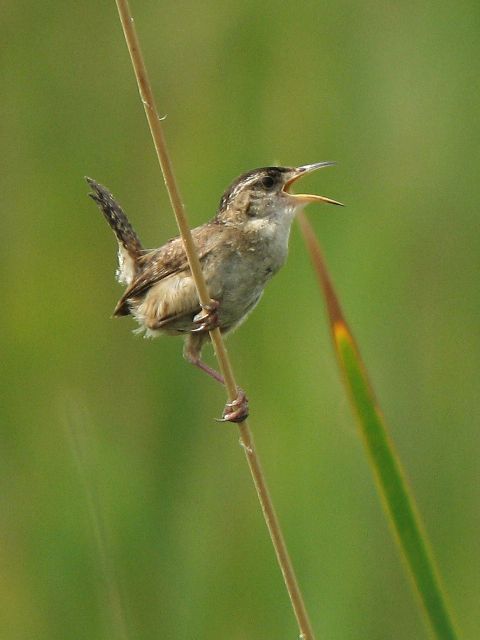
(240, 250)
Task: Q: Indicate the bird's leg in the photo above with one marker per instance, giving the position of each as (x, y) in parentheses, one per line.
(234, 411)
(207, 319)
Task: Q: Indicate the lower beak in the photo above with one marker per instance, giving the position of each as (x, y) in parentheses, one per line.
(305, 197)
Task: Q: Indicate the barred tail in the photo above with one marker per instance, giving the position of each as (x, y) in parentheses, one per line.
(116, 218)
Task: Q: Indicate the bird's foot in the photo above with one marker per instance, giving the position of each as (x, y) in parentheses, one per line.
(207, 319)
(236, 410)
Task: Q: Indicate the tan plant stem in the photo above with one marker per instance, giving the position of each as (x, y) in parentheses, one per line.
(246, 440)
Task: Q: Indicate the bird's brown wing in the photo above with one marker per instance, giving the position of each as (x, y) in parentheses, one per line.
(157, 264)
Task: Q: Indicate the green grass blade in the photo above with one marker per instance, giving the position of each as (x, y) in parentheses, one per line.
(393, 489)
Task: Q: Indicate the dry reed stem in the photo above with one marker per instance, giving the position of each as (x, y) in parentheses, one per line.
(246, 440)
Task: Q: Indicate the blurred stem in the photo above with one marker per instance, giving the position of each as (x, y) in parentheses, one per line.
(396, 497)
(77, 421)
(246, 440)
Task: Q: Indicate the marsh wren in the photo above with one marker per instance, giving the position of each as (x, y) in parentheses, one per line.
(244, 245)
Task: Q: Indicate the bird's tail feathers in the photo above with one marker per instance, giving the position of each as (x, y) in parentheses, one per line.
(116, 218)
(129, 245)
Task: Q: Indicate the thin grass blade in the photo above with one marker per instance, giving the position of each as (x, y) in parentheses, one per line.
(394, 491)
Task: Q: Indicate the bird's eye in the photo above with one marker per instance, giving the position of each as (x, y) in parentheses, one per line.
(268, 182)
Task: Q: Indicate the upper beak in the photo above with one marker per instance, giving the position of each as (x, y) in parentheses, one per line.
(305, 197)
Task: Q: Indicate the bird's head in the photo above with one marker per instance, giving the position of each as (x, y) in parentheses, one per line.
(265, 194)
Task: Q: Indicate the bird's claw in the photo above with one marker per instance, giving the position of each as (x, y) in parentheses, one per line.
(207, 319)
(236, 410)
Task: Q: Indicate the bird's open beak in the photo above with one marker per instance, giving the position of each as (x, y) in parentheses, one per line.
(305, 197)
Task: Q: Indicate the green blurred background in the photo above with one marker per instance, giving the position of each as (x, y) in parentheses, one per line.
(104, 431)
